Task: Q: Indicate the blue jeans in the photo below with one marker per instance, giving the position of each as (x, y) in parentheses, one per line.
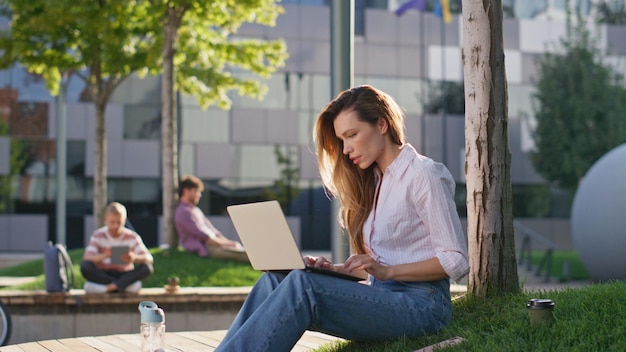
(122, 279)
(280, 308)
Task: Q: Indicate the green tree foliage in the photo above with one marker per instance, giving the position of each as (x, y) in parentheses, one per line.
(285, 189)
(203, 56)
(18, 158)
(446, 96)
(210, 58)
(101, 42)
(580, 110)
(611, 12)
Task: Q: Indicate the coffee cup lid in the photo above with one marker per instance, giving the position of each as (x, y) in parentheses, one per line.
(540, 303)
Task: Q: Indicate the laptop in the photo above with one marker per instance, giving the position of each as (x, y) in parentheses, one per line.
(269, 243)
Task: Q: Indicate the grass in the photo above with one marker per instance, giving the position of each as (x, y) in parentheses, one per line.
(587, 319)
(195, 271)
(577, 270)
(590, 318)
(189, 268)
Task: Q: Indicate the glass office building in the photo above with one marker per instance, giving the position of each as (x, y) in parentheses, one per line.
(243, 154)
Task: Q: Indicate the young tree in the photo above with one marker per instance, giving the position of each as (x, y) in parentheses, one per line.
(200, 52)
(102, 42)
(611, 12)
(493, 268)
(579, 112)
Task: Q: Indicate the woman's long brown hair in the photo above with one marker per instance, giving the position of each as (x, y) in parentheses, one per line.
(354, 187)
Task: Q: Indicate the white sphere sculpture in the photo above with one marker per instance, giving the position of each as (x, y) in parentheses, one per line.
(598, 217)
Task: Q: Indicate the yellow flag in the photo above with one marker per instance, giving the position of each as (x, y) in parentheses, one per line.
(445, 7)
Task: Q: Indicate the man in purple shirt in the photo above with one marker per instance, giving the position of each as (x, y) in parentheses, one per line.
(195, 232)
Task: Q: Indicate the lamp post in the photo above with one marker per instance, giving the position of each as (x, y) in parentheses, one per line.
(341, 77)
(61, 161)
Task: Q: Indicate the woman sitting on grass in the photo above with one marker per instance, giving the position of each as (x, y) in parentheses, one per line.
(399, 211)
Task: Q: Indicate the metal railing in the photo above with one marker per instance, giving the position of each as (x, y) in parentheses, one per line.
(525, 251)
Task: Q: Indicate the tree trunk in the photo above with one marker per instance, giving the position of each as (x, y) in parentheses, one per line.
(493, 268)
(169, 128)
(100, 172)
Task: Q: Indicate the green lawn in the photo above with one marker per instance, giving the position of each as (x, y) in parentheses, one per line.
(195, 271)
(577, 270)
(189, 268)
(587, 319)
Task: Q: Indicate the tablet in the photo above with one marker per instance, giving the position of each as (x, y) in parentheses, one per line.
(116, 254)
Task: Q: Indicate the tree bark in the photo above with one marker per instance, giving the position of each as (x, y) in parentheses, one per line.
(100, 172)
(493, 268)
(169, 127)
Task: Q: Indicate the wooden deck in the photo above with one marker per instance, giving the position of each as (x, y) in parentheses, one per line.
(187, 341)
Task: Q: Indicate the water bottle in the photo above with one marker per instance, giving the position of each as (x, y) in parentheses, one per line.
(152, 328)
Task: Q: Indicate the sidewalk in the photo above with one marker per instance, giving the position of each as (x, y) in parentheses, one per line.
(531, 282)
(15, 258)
(6, 281)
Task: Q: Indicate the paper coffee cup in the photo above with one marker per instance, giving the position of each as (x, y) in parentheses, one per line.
(540, 311)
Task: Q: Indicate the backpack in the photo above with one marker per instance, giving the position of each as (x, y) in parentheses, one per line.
(58, 269)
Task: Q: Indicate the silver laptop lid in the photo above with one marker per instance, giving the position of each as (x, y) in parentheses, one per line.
(265, 234)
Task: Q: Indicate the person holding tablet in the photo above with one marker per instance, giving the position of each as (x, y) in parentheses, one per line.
(397, 207)
(116, 259)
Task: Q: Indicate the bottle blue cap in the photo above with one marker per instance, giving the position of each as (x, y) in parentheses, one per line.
(151, 313)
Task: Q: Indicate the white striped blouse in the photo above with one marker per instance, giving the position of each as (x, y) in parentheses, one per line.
(416, 217)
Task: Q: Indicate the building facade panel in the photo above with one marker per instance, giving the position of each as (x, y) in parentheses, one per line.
(513, 66)
(510, 32)
(142, 121)
(308, 164)
(520, 101)
(141, 158)
(256, 165)
(539, 36)
(617, 63)
(30, 232)
(76, 121)
(248, 126)
(285, 24)
(359, 66)
(137, 90)
(282, 127)
(381, 60)
(115, 166)
(433, 133)
(113, 121)
(4, 230)
(77, 117)
(413, 131)
(616, 42)
(440, 33)
(411, 62)
(294, 62)
(522, 171)
(454, 140)
(314, 23)
(187, 158)
(411, 94)
(5, 155)
(315, 56)
(445, 63)
(411, 29)
(381, 27)
(530, 67)
(197, 125)
(213, 160)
